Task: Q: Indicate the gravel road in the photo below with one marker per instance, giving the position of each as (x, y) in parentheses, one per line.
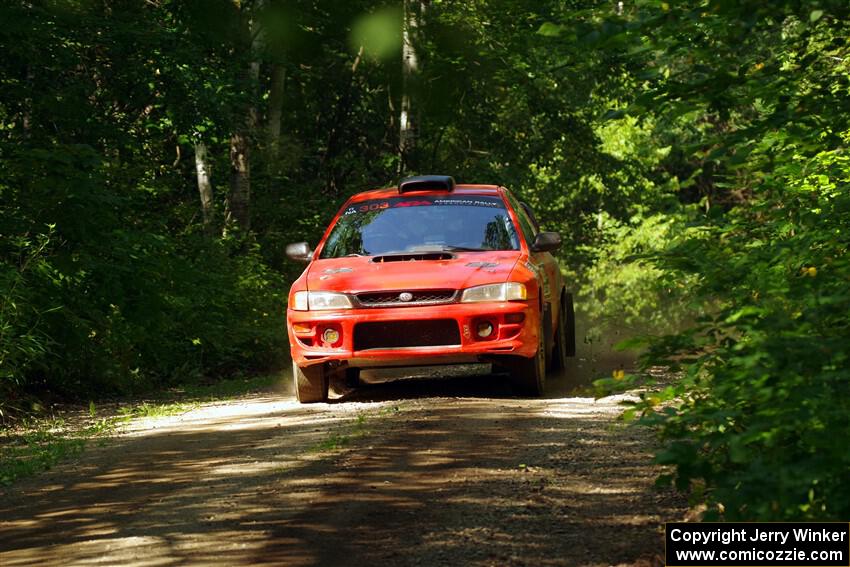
(424, 472)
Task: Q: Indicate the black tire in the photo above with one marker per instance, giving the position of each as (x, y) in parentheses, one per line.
(311, 383)
(528, 375)
(565, 337)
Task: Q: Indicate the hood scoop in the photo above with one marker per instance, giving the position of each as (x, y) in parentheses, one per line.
(412, 257)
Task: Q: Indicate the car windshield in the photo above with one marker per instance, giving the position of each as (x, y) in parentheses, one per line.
(422, 224)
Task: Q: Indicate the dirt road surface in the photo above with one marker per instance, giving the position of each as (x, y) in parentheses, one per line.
(428, 472)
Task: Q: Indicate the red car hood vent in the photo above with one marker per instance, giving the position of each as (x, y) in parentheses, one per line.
(412, 257)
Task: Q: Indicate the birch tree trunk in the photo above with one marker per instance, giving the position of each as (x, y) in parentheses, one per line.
(204, 185)
(414, 11)
(238, 206)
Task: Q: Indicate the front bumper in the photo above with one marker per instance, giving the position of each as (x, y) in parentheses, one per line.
(514, 338)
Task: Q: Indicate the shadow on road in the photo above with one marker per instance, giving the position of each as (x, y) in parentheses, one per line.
(426, 481)
(432, 471)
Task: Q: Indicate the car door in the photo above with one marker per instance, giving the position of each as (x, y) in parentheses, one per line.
(544, 264)
(544, 260)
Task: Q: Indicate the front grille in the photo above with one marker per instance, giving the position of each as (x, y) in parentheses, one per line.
(400, 334)
(418, 297)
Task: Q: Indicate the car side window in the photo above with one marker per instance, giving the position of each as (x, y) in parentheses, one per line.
(527, 208)
(528, 227)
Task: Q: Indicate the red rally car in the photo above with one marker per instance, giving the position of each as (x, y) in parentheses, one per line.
(429, 273)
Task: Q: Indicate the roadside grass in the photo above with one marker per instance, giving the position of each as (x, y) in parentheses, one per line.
(36, 443)
(37, 447)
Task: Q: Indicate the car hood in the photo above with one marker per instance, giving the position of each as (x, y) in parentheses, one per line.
(457, 270)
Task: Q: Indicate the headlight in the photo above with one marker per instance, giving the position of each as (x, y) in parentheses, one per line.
(508, 291)
(319, 301)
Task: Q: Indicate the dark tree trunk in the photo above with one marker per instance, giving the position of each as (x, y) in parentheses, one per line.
(238, 210)
(276, 110)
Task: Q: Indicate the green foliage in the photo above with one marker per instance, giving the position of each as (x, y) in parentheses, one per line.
(625, 289)
(764, 407)
(755, 96)
(22, 342)
(637, 216)
(107, 284)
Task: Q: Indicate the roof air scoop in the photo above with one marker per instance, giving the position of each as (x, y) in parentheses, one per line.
(427, 183)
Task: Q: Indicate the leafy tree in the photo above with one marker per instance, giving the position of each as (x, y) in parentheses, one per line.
(753, 426)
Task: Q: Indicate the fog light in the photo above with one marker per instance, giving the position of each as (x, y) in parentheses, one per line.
(330, 336)
(484, 329)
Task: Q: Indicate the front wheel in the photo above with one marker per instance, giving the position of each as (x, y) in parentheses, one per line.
(528, 375)
(311, 383)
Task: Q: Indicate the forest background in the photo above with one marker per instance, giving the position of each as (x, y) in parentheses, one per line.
(156, 157)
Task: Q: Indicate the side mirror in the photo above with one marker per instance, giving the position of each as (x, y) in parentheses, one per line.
(299, 252)
(546, 242)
